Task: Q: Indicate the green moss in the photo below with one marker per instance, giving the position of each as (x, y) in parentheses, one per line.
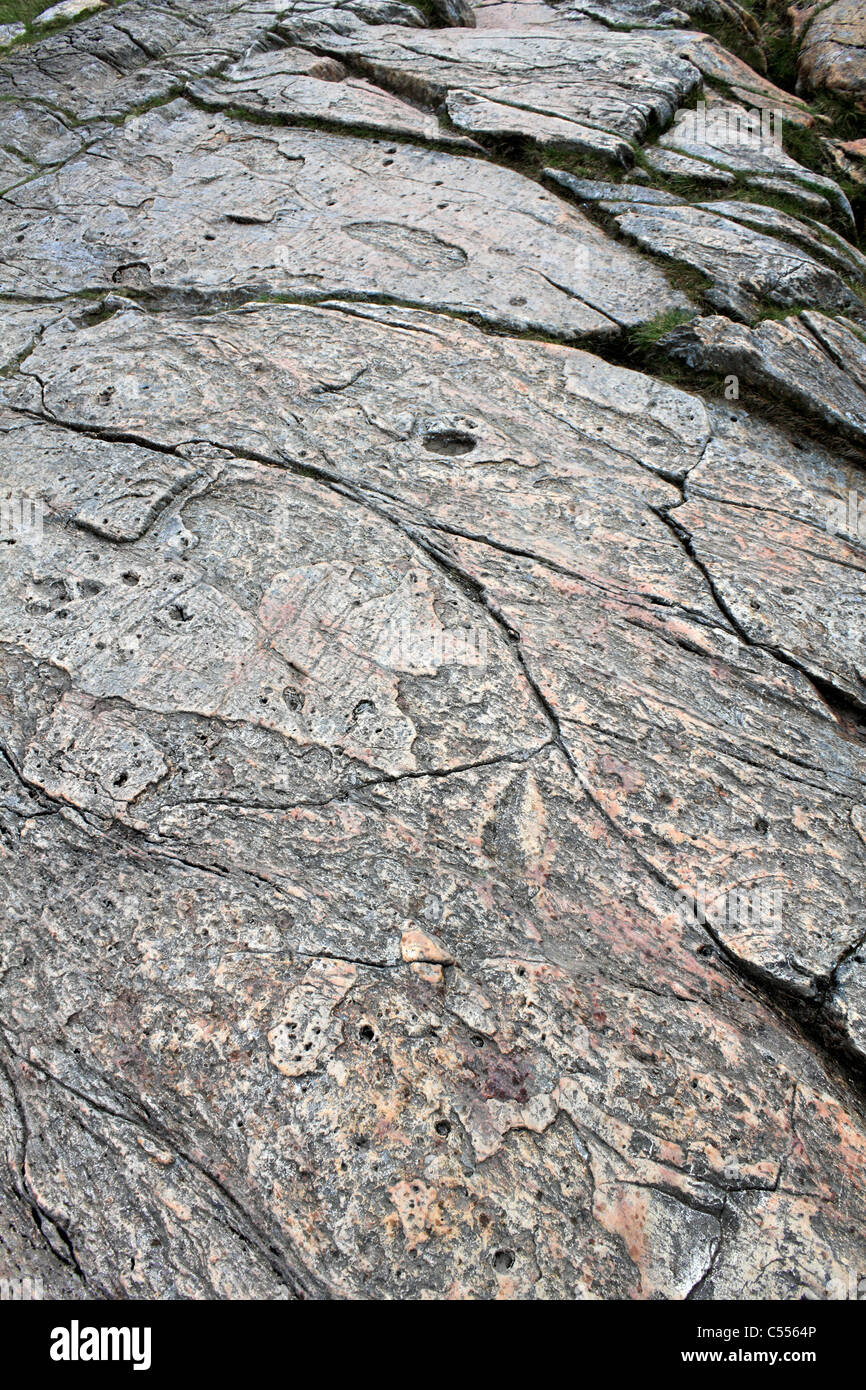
(696, 190)
(847, 122)
(852, 328)
(141, 108)
(687, 278)
(781, 61)
(653, 358)
(804, 145)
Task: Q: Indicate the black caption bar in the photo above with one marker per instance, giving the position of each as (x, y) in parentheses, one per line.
(87, 1341)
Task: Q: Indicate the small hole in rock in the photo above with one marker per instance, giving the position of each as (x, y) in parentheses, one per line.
(449, 443)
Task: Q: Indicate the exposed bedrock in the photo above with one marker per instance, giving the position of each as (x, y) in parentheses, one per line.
(432, 665)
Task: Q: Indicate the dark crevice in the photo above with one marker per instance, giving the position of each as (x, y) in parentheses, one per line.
(288, 1269)
(39, 1216)
(173, 299)
(807, 1016)
(848, 713)
(236, 110)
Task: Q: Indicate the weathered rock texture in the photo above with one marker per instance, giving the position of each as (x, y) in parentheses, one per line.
(433, 690)
(833, 51)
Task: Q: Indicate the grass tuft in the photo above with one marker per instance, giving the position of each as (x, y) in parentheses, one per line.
(646, 335)
(21, 11)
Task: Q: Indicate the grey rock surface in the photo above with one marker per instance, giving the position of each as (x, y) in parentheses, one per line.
(477, 115)
(291, 85)
(206, 203)
(741, 138)
(432, 661)
(597, 191)
(814, 363)
(833, 51)
(681, 166)
(10, 33)
(748, 269)
(617, 82)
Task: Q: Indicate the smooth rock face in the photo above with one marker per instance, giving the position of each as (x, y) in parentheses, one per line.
(597, 191)
(617, 82)
(476, 114)
(22, 326)
(802, 536)
(293, 85)
(821, 243)
(537, 447)
(432, 663)
(66, 10)
(207, 203)
(36, 136)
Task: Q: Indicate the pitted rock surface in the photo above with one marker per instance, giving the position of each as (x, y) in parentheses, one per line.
(432, 655)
